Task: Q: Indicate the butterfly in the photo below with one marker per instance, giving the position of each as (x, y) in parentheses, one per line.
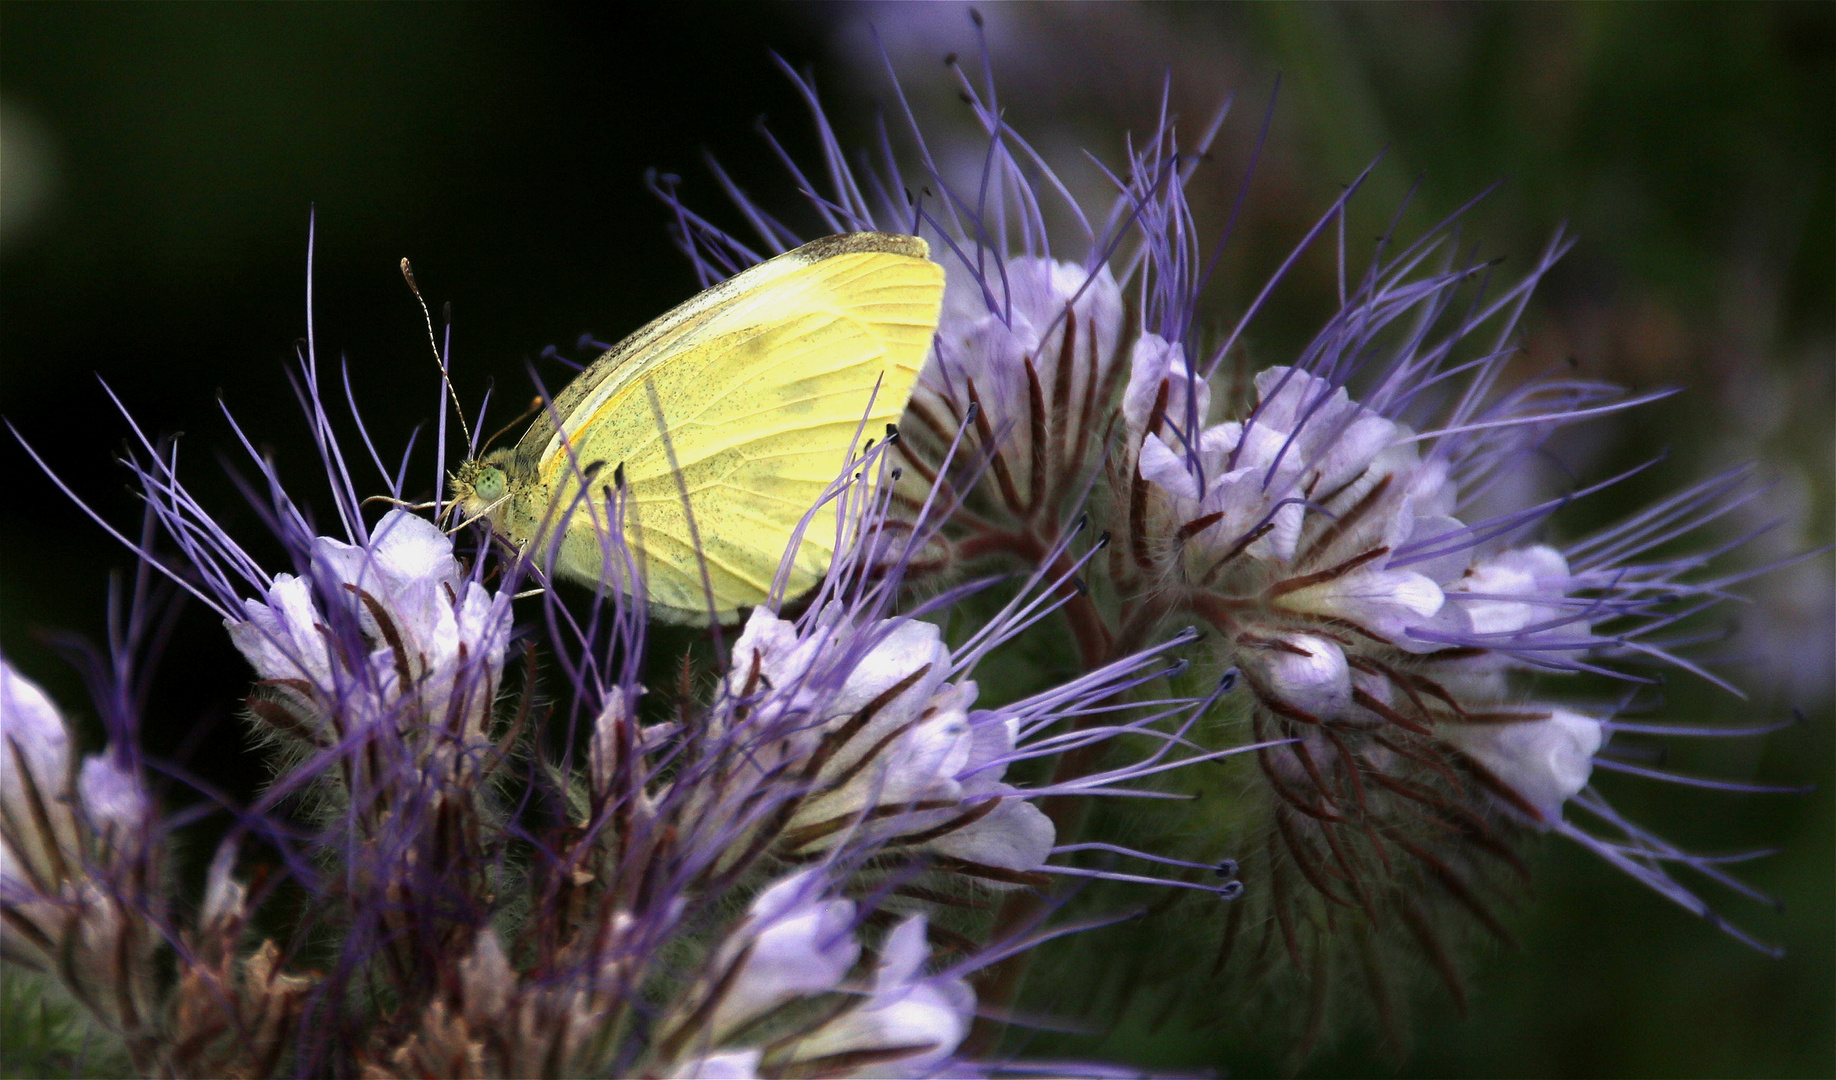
(745, 402)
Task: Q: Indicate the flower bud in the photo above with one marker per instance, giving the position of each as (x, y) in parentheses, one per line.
(115, 804)
(920, 1019)
(1304, 671)
(1546, 761)
(794, 943)
(38, 831)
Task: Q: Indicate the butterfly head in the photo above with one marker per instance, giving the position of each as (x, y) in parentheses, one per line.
(482, 488)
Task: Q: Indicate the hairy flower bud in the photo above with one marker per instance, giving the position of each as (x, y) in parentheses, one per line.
(1546, 761)
(1302, 671)
(38, 843)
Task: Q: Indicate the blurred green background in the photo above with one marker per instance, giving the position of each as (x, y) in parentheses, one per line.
(157, 165)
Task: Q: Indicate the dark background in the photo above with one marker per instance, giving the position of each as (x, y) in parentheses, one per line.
(160, 162)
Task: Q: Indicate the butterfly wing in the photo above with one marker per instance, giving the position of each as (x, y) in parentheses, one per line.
(764, 385)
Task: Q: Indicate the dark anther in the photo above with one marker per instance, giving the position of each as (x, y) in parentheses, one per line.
(1228, 682)
(1230, 890)
(1226, 868)
(618, 476)
(1102, 540)
(949, 59)
(446, 311)
(897, 472)
(969, 414)
(892, 432)
(591, 468)
(975, 17)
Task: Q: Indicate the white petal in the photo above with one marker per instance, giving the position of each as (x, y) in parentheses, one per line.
(1352, 452)
(33, 725)
(1152, 361)
(1516, 579)
(799, 944)
(1284, 393)
(412, 547)
(1162, 466)
(727, 1065)
(1385, 602)
(1015, 835)
(905, 1010)
(280, 639)
(113, 798)
(908, 647)
(767, 643)
(1440, 532)
(992, 348)
(35, 738)
(935, 750)
(902, 957)
(1259, 446)
(1545, 761)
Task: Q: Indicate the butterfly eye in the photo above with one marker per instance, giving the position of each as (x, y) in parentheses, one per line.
(490, 483)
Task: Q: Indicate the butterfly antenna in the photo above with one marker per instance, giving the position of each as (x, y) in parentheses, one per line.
(535, 406)
(427, 317)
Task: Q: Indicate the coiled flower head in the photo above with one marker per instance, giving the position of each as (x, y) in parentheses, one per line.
(1351, 524)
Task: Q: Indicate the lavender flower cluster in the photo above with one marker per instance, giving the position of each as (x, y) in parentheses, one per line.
(493, 850)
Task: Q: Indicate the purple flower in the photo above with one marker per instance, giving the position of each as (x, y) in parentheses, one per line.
(427, 648)
(565, 867)
(1344, 521)
(919, 764)
(908, 1024)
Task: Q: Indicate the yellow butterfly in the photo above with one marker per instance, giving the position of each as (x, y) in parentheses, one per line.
(762, 384)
